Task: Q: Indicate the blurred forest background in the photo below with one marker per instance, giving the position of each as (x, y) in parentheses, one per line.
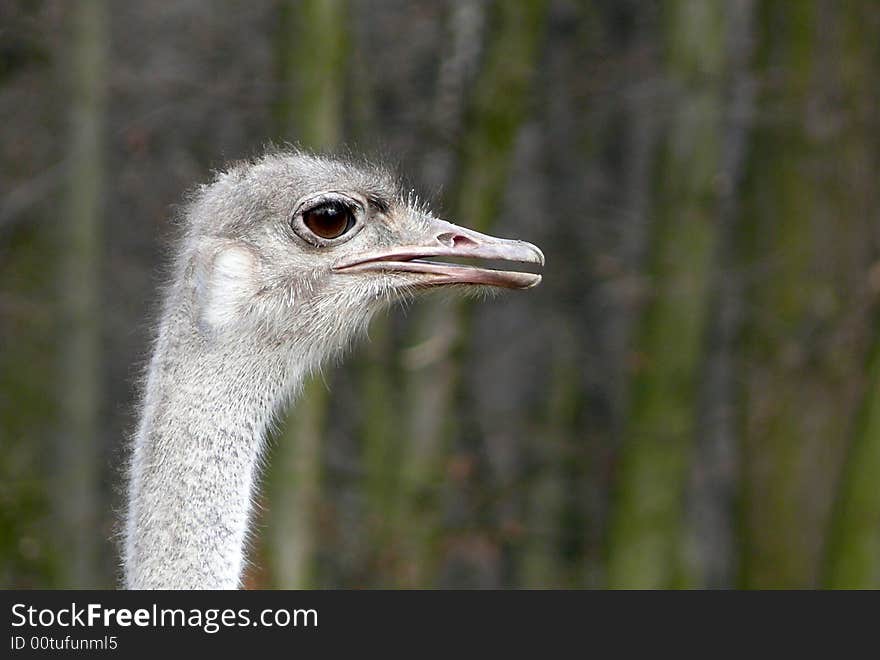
(690, 399)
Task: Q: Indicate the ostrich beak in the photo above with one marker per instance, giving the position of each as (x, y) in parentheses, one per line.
(451, 241)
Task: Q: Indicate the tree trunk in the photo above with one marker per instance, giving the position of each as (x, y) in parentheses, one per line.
(854, 545)
(808, 203)
(78, 485)
(497, 110)
(646, 526)
(712, 551)
(853, 556)
(311, 61)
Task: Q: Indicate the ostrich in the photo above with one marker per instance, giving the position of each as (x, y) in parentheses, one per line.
(281, 263)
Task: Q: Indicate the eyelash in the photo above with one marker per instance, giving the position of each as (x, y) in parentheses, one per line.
(378, 205)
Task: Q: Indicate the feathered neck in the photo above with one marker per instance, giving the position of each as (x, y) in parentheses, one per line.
(207, 406)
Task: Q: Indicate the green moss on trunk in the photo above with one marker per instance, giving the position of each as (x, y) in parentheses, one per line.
(646, 528)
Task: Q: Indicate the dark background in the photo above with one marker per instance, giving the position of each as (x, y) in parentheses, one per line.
(690, 399)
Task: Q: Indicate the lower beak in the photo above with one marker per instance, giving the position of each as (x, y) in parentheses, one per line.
(451, 241)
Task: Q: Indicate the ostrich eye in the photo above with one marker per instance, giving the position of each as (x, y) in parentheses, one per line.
(329, 220)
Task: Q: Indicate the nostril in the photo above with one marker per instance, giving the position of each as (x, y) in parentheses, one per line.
(455, 240)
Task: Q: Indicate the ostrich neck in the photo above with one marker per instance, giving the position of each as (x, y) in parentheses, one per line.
(195, 459)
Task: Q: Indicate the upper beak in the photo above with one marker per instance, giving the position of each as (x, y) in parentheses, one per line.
(449, 240)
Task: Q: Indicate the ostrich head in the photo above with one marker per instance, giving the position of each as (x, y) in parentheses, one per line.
(296, 246)
(282, 261)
